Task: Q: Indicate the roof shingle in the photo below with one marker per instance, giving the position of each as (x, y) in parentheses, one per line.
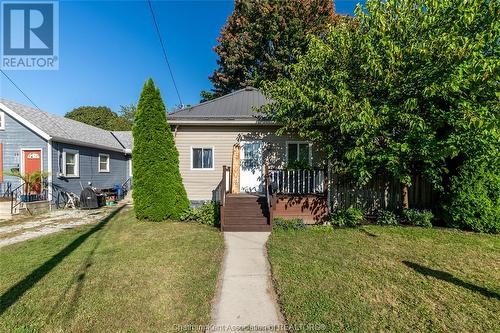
(64, 129)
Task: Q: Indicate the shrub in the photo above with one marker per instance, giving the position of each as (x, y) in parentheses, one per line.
(347, 218)
(474, 198)
(421, 218)
(386, 217)
(281, 223)
(158, 189)
(207, 214)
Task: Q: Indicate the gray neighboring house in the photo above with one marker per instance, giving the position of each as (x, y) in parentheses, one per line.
(74, 154)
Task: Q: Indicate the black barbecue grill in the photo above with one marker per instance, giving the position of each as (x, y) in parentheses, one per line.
(91, 199)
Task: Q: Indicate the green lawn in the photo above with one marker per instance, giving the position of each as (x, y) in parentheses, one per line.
(121, 275)
(388, 279)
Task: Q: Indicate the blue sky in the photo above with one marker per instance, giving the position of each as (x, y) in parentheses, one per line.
(109, 48)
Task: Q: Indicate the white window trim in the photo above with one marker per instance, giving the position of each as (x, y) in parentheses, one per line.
(2, 120)
(77, 164)
(130, 173)
(107, 170)
(213, 158)
(298, 143)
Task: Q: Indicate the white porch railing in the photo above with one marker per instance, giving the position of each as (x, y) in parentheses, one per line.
(298, 181)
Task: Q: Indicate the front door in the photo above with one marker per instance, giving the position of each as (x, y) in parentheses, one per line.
(32, 162)
(251, 167)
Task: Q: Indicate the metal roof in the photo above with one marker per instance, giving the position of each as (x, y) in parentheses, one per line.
(64, 129)
(239, 105)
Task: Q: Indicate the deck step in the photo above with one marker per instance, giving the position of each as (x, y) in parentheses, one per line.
(247, 228)
(246, 213)
(252, 221)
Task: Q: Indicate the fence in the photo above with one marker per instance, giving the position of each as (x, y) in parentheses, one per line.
(380, 193)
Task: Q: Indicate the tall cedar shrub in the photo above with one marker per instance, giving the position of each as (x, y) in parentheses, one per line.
(158, 190)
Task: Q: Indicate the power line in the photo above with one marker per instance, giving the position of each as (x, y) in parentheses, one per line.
(164, 52)
(20, 90)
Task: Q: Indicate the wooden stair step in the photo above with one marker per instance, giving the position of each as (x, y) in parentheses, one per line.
(247, 227)
(248, 222)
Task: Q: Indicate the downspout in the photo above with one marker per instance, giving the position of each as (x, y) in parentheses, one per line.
(51, 174)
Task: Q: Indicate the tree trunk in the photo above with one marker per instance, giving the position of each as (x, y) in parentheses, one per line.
(405, 196)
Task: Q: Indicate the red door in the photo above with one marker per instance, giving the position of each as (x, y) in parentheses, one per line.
(32, 162)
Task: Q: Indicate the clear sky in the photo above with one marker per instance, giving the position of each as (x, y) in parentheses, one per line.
(109, 48)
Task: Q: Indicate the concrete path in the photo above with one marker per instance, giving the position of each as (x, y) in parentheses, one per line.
(246, 297)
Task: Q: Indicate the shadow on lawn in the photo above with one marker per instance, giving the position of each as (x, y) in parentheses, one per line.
(451, 279)
(15, 292)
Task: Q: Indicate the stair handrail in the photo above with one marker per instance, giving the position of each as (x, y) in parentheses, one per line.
(13, 198)
(223, 190)
(269, 193)
(129, 180)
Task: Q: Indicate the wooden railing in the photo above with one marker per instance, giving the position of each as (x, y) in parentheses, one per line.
(221, 192)
(311, 181)
(270, 195)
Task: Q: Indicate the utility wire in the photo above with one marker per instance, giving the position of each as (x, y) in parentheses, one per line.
(164, 52)
(20, 90)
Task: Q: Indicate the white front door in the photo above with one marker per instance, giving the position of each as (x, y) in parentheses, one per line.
(251, 166)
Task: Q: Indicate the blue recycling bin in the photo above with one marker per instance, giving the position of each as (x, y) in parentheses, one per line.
(119, 191)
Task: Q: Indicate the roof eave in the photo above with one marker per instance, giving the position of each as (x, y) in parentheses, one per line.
(205, 122)
(90, 145)
(25, 122)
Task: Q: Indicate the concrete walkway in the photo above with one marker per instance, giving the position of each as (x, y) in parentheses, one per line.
(245, 296)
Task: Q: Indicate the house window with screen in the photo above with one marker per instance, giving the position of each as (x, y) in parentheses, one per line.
(103, 163)
(202, 158)
(298, 152)
(70, 164)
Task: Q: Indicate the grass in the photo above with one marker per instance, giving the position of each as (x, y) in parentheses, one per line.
(390, 279)
(119, 275)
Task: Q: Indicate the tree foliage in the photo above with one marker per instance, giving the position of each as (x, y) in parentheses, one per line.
(410, 88)
(100, 116)
(261, 38)
(158, 189)
(127, 112)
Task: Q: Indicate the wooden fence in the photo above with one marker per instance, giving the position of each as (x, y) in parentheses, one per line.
(380, 193)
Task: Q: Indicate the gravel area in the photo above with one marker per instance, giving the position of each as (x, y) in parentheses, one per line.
(55, 221)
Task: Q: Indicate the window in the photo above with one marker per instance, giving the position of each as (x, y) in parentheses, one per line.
(70, 164)
(299, 152)
(2, 121)
(103, 163)
(202, 158)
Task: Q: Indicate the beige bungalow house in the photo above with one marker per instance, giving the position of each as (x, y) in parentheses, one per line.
(230, 153)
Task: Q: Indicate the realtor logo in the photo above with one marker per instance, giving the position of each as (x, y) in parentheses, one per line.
(30, 35)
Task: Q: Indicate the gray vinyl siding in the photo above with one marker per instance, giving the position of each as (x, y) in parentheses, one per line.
(88, 168)
(15, 137)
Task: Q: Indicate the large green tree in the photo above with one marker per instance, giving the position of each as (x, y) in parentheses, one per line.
(410, 88)
(127, 112)
(158, 189)
(262, 37)
(100, 116)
